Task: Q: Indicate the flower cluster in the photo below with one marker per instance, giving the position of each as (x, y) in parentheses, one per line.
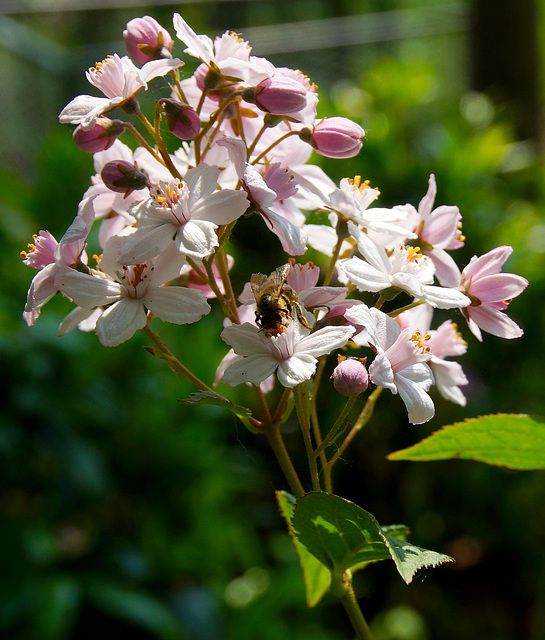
(164, 219)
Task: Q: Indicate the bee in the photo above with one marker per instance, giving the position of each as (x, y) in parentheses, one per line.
(276, 302)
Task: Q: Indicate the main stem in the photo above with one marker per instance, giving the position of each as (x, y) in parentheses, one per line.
(352, 608)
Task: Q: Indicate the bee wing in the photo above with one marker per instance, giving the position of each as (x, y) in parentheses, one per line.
(258, 282)
(272, 284)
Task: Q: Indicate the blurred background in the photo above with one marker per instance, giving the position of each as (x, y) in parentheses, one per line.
(126, 514)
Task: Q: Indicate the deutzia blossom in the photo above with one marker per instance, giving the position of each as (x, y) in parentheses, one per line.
(292, 354)
(294, 241)
(406, 270)
(439, 229)
(119, 79)
(400, 363)
(490, 293)
(49, 256)
(445, 341)
(127, 292)
(186, 213)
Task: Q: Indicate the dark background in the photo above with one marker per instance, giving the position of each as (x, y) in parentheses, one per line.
(126, 514)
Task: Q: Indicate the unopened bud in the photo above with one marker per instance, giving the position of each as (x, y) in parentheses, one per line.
(123, 177)
(182, 120)
(100, 136)
(279, 95)
(350, 377)
(147, 40)
(336, 137)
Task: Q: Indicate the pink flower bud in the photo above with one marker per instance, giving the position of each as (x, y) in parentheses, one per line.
(278, 95)
(147, 40)
(123, 177)
(350, 377)
(337, 138)
(99, 137)
(182, 120)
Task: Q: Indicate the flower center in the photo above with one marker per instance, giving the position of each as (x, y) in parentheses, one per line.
(420, 342)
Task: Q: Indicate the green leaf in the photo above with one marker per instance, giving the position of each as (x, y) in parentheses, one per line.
(410, 559)
(343, 536)
(514, 441)
(208, 397)
(316, 576)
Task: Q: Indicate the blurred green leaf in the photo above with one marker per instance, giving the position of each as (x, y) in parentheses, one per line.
(57, 609)
(514, 441)
(136, 607)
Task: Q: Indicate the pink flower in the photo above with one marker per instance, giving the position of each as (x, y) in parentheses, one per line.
(490, 293)
(263, 198)
(147, 40)
(443, 342)
(126, 293)
(49, 256)
(440, 229)
(119, 79)
(400, 363)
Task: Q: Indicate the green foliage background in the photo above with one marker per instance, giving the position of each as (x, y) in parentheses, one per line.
(124, 512)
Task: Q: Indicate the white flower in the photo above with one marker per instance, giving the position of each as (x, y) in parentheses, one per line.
(118, 79)
(186, 213)
(128, 291)
(400, 363)
(292, 354)
(406, 269)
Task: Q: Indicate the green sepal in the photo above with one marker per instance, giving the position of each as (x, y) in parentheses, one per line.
(508, 440)
(209, 397)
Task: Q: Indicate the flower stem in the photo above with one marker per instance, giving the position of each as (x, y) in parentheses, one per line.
(274, 438)
(300, 394)
(352, 608)
(163, 352)
(361, 421)
(333, 261)
(271, 146)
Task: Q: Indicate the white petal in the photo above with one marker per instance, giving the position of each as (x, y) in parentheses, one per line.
(147, 242)
(381, 373)
(197, 239)
(221, 207)
(156, 68)
(245, 339)
(86, 317)
(76, 110)
(324, 341)
(364, 275)
(293, 239)
(120, 321)
(199, 46)
(86, 290)
(255, 368)
(444, 298)
(419, 404)
(176, 304)
(296, 370)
